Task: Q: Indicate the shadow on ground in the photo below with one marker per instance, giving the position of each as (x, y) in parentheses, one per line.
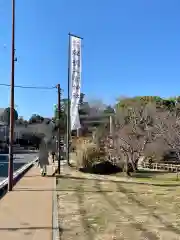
(117, 206)
(132, 181)
(104, 168)
(149, 209)
(147, 174)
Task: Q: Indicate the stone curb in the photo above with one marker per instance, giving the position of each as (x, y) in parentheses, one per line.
(55, 217)
(55, 220)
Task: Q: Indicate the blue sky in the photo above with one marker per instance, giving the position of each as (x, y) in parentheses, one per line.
(130, 48)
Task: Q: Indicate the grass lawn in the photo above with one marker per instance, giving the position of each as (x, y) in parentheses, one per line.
(154, 176)
(93, 207)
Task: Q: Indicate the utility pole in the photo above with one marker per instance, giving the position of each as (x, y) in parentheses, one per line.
(11, 130)
(59, 131)
(68, 133)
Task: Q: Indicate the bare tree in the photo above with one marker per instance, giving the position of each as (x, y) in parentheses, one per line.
(169, 129)
(141, 129)
(135, 128)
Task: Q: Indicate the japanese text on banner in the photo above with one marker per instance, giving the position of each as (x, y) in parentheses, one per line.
(75, 81)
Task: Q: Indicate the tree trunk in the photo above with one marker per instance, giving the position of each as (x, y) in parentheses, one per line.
(131, 161)
(126, 168)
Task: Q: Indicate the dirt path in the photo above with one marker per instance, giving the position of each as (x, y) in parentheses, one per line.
(94, 209)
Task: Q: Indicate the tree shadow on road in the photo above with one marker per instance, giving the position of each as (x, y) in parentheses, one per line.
(68, 176)
(86, 226)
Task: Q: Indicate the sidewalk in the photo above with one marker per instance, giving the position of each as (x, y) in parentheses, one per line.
(26, 212)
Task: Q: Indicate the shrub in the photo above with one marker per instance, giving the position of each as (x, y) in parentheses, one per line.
(88, 154)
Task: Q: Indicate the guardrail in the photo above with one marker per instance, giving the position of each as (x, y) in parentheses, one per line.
(16, 176)
(162, 166)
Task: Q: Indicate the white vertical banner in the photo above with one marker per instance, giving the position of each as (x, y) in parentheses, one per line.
(75, 80)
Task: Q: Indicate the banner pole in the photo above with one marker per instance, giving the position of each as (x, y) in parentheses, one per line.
(68, 136)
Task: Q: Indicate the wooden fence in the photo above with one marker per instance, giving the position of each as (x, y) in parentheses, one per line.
(162, 166)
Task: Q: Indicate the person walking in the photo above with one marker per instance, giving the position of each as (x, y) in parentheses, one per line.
(43, 156)
(53, 148)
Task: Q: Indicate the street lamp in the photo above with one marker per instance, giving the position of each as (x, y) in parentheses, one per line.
(11, 132)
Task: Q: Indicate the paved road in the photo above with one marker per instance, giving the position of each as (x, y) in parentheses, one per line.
(19, 160)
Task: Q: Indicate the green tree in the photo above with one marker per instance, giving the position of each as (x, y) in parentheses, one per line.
(62, 122)
(81, 100)
(64, 111)
(109, 109)
(6, 115)
(36, 118)
(64, 108)
(140, 100)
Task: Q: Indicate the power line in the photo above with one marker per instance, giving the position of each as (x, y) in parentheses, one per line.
(29, 87)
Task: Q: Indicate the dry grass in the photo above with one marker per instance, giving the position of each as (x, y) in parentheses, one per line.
(87, 153)
(95, 207)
